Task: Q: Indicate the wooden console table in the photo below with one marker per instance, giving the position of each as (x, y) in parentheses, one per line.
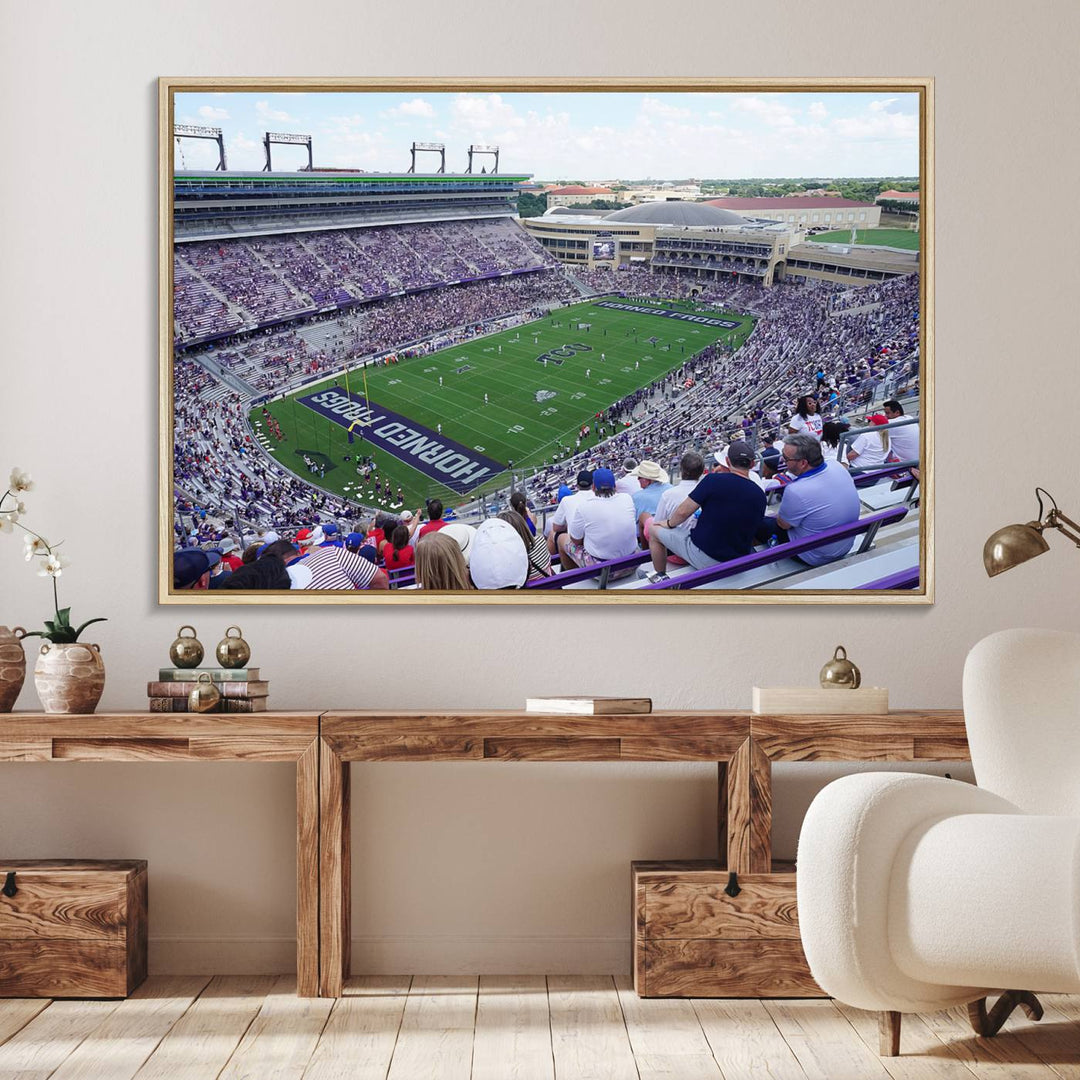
(137, 736)
(695, 958)
(903, 735)
(742, 745)
(504, 736)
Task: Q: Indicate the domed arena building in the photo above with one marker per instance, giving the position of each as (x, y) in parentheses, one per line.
(694, 239)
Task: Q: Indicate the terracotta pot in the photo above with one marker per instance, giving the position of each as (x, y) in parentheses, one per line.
(12, 666)
(69, 678)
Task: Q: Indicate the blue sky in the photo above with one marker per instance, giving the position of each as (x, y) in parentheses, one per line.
(584, 136)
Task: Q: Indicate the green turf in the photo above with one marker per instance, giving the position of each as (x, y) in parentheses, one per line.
(897, 238)
(513, 426)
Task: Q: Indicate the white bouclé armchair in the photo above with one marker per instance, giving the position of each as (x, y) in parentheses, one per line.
(917, 893)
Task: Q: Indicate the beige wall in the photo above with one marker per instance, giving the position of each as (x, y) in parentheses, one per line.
(492, 867)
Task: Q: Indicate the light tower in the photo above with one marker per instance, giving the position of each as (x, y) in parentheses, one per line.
(429, 147)
(195, 131)
(287, 139)
(478, 149)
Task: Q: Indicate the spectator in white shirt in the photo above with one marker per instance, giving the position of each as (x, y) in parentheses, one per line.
(903, 441)
(600, 528)
(870, 449)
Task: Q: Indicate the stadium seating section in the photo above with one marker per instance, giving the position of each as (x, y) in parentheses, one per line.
(261, 315)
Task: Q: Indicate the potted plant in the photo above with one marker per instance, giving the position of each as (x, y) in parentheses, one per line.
(69, 674)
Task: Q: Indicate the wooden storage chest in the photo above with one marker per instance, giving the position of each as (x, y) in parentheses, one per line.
(71, 928)
(692, 939)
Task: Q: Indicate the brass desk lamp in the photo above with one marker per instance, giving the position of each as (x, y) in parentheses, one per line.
(1014, 544)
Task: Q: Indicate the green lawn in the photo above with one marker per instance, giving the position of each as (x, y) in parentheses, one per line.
(513, 425)
(897, 238)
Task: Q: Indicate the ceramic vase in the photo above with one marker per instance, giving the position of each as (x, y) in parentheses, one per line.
(12, 667)
(69, 678)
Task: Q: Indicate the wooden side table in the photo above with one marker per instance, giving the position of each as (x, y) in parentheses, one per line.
(903, 735)
(138, 736)
(721, 737)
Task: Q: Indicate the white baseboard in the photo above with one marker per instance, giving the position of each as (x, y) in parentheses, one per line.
(434, 954)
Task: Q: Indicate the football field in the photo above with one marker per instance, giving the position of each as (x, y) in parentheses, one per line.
(452, 422)
(897, 238)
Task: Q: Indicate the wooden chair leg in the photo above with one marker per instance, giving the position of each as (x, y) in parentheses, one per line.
(988, 1024)
(889, 1034)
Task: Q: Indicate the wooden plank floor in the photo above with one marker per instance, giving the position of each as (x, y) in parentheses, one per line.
(524, 1027)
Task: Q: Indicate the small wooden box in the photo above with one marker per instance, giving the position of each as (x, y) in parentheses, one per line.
(693, 940)
(817, 701)
(72, 928)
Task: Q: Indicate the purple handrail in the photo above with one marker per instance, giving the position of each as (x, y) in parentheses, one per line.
(872, 522)
(745, 562)
(902, 579)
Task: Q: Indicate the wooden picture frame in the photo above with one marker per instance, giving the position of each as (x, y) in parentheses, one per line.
(279, 287)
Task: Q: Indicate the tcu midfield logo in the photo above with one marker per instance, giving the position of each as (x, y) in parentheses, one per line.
(545, 395)
(557, 356)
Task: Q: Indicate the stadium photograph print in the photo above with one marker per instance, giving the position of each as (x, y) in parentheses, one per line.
(546, 341)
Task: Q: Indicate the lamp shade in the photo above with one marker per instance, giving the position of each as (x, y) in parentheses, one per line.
(1012, 545)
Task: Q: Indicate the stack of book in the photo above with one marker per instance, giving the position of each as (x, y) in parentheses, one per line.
(241, 689)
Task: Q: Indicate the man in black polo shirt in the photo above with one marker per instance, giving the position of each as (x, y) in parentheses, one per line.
(732, 508)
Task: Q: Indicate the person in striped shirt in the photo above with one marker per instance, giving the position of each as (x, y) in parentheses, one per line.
(339, 568)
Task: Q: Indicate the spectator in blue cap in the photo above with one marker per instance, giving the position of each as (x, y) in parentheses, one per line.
(333, 537)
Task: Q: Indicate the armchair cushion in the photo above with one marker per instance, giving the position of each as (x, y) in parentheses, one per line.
(988, 900)
(1022, 703)
(851, 837)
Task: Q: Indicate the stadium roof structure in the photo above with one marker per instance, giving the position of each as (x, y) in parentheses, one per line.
(864, 256)
(676, 212)
(573, 211)
(343, 176)
(785, 202)
(577, 189)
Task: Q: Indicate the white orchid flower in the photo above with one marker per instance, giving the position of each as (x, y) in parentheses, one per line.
(54, 566)
(8, 519)
(34, 545)
(20, 481)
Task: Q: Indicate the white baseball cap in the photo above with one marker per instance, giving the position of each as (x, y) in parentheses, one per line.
(499, 559)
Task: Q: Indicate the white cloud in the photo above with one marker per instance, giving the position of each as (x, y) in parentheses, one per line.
(882, 105)
(653, 108)
(245, 155)
(208, 112)
(879, 126)
(817, 111)
(771, 113)
(263, 111)
(417, 107)
(339, 124)
(483, 112)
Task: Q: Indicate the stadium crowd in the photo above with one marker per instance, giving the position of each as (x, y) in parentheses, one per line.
(797, 344)
(221, 286)
(279, 358)
(843, 349)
